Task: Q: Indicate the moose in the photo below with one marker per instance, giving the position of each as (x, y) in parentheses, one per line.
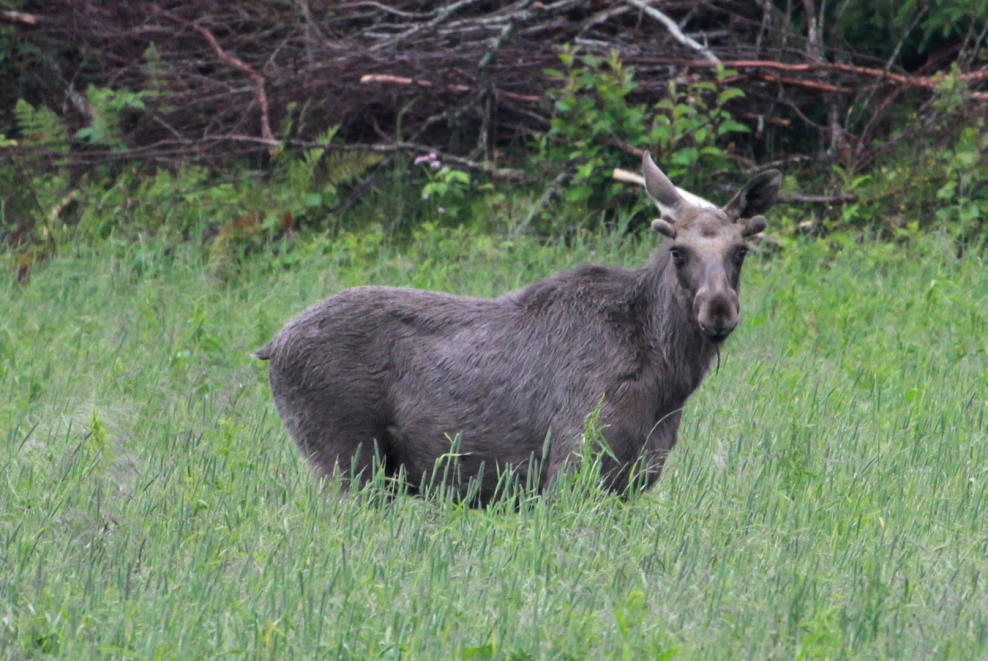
(399, 378)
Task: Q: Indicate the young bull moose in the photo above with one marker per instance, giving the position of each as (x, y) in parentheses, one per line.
(392, 375)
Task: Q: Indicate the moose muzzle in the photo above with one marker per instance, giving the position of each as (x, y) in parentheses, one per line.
(716, 308)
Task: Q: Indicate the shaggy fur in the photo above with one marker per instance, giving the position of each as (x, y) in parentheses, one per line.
(402, 372)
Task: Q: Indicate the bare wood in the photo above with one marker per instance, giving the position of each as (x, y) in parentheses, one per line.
(673, 29)
(236, 63)
(762, 119)
(628, 177)
(843, 198)
(402, 80)
(18, 17)
(411, 32)
(926, 82)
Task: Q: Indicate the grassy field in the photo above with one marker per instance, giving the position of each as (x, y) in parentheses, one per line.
(827, 499)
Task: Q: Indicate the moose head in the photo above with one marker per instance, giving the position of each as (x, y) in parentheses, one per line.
(707, 244)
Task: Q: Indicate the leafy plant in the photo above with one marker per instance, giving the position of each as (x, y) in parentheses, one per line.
(41, 127)
(447, 187)
(308, 182)
(107, 108)
(596, 121)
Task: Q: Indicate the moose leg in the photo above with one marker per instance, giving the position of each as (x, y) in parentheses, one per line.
(628, 460)
(661, 441)
(562, 453)
(348, 446)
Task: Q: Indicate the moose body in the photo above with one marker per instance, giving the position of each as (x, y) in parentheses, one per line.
(406, 377)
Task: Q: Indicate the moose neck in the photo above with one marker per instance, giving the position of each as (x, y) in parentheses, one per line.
(677, 346)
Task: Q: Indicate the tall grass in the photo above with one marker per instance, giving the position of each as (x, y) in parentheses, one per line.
(827, 499)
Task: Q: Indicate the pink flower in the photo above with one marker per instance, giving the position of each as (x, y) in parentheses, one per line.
(429, 158)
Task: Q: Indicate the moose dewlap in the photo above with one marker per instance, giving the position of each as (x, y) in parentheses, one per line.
(397, 378)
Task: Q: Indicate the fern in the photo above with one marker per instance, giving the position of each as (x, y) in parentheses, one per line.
(41, 127)
(312, 156)
(321, 173)
(159, 76)
(107, 108)
(343, 168)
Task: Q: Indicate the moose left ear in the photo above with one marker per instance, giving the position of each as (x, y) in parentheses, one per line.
(757, 196)
(751, 226)
(664, 227)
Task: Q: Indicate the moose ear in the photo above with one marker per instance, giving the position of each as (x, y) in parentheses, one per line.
(664, 227)
(660, 189)
(757, 196)
(752, 225)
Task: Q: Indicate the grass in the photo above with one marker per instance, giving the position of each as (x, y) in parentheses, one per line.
(827, 499)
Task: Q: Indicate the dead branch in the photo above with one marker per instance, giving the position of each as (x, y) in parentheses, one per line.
(925, 82)
(18, 17)
(674, 29)
(235, 62)
(402, 80)
(448, 70)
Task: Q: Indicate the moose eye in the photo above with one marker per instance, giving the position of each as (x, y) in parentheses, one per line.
(678, 256)
(739, 255)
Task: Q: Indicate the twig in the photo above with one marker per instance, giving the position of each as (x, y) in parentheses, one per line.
(503, 37)
(236, 63)
(402, 80)
(637, 152)
(411, 32)
(674, 30)
(762, 119)
(501, 173)
(18, 17)
(628, 177)
(844, 198)
(926, 82)
(811, 84)
(558, 182)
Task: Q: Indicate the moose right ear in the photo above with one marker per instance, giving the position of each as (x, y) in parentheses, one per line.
(664, 227)
(659, 188)
(757, 196)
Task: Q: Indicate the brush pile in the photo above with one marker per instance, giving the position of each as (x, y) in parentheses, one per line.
(215, 80)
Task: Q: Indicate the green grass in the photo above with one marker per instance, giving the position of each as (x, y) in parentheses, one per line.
(827, 499)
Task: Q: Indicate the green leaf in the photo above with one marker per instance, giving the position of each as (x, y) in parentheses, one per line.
(685, 156)
(731, 126)
(728, 94)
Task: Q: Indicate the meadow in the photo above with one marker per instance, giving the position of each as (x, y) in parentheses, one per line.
(827, 498)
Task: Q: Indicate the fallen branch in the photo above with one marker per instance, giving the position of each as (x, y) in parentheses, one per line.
(844, 198)
(628, 177)
(926, 82)
(18, 17)
(762, 119)
(402, 80)
(799, 82)
(411, 32)
(500, 173)
(384, 148)
(236, 63)
(674, 30)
